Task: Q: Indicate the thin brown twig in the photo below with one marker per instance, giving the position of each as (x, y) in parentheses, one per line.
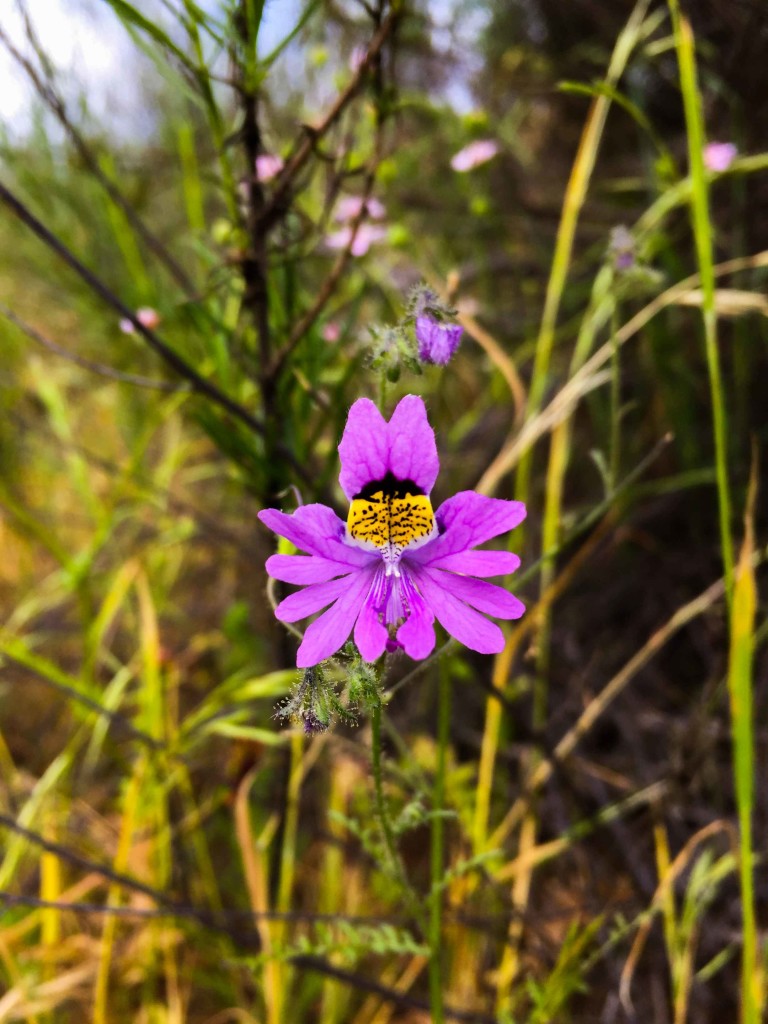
(312, 134)
(88, 364)
(326, 290)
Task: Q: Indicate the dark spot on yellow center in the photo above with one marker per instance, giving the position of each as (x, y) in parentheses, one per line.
(391, 512)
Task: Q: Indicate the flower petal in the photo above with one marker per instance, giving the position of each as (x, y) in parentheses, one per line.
(315, 529)
(417, 634)
(437, 341)
(412, 448)
(485, 597)
(310, 600)
(370, 447)
(468, 519)
(461, 621)
(370, 635)
(304, 569)
(476, 563)
(327, 633)
(364, 448)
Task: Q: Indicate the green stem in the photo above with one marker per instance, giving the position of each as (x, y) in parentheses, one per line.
(381, 807)
(437, 852)
(382, 813)
(614, 456)
(702, 231)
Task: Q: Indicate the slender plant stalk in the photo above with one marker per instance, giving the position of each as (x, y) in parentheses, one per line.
(385, 823)
(702, 231)
(333, 883)
(614, 452)
(740, 685)
(575, 195)
(127, 827)
(288, 865)
(437, 850)
(381, 807)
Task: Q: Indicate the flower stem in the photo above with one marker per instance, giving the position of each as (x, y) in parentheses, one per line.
(614, 457)
(382, 813)
(381, 807)
(437, 858)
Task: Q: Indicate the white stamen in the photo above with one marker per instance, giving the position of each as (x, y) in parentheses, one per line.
(391, 553)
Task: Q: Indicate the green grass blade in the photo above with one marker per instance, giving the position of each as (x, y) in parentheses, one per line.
(702, 231)
(743, 611)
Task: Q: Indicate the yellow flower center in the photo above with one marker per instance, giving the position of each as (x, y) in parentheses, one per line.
(390, 515)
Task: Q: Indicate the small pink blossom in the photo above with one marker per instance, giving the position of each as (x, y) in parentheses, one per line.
(268, 166)
(475, 154)
(349, 207)
(356, 58)
(718, 156)
(331, 332)
(365, 236)
(147, 316)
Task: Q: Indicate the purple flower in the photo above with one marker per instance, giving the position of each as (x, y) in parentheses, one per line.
(622, 248)
(474, 154)
(718, 156)
(437, 341)
(395, 565)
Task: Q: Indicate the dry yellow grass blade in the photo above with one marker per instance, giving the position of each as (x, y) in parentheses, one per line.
(253, 852)
(588, 377)
(677, 866)
(740, 688)
(543, 852)
(19, 1004)
(503, 362)
(373, 1011)
(559, 409)
(128, 826)
(728, 301)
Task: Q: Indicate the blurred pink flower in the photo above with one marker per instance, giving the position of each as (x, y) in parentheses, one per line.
(718, 156)
(476, 153)
(268, 166)
(365, 237)
(357, 57)
(147, 316)
(349, 207)
(331, 332)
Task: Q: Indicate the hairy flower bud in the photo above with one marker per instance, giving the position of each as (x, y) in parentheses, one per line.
(437, 341)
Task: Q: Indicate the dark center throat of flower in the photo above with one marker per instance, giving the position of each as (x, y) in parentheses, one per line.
(390, 487)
